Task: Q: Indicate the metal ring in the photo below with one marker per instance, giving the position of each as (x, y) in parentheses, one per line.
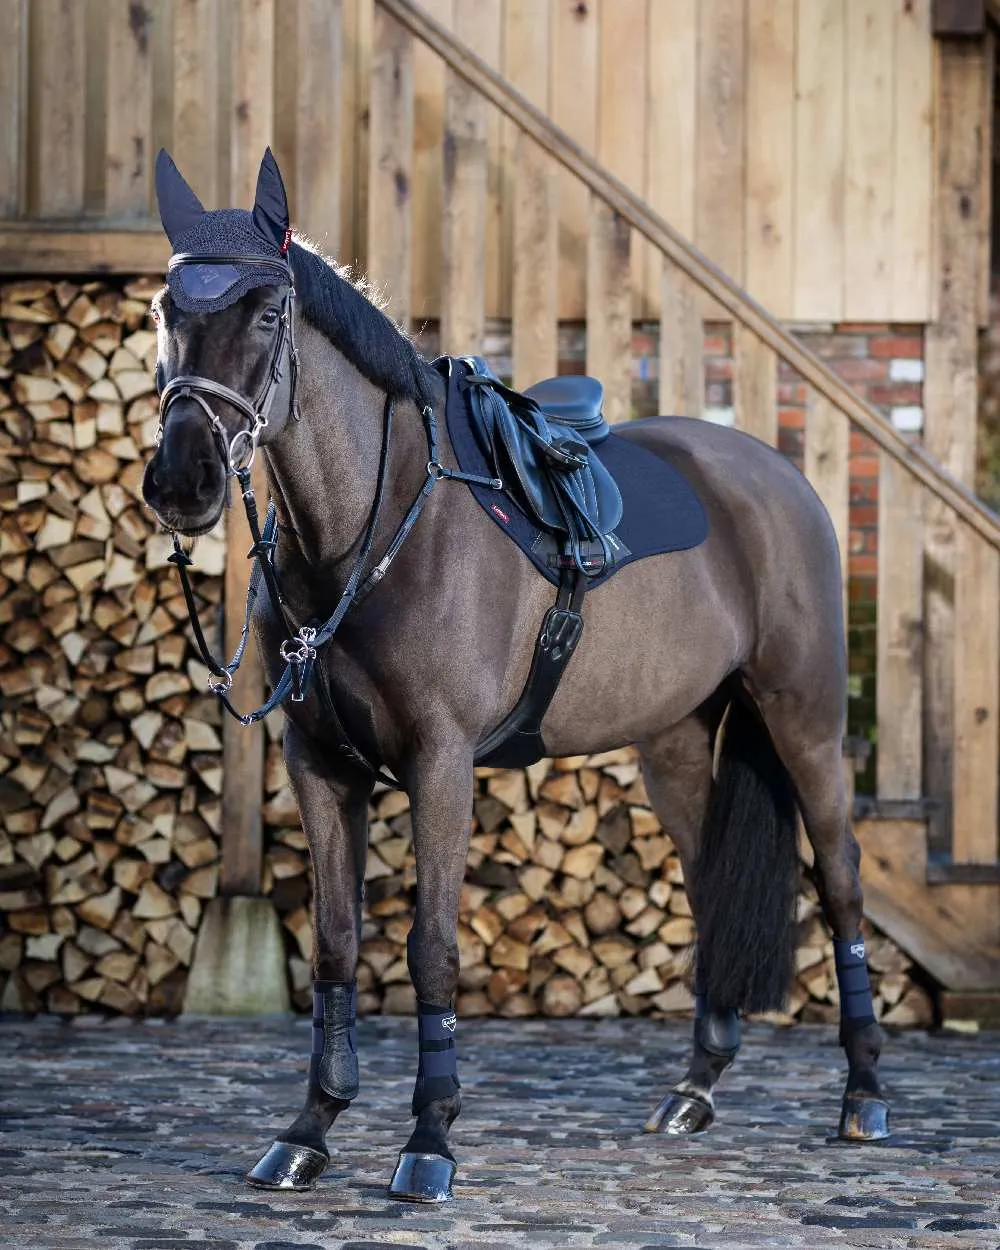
(435, 470)
(220, 683)
(252, 450)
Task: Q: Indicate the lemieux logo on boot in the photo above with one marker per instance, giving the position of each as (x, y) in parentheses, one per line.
(858, 950)
(450, 1023)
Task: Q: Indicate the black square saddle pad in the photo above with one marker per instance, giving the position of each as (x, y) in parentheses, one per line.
(661, 512)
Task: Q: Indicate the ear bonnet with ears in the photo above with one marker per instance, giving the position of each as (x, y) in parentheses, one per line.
(227, 232)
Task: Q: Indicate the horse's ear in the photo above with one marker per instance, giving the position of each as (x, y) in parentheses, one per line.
(180, 208)
(270, 208)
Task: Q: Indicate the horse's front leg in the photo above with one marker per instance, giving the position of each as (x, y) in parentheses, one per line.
(441, 806)
(333, 807)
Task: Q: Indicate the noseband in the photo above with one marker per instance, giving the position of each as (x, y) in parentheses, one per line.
(238, 453)
(302, 643)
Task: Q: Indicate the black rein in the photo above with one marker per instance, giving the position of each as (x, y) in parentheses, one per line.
(302, 644)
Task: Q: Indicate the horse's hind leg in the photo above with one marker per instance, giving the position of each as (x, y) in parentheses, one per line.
(677, 768)
(806, 728)
(333, 807)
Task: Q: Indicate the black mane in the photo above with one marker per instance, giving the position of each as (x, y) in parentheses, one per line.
(376, 347)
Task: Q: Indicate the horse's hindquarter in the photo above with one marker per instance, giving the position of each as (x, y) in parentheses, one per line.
(762, 593)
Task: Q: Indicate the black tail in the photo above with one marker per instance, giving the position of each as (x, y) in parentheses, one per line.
(746, 875)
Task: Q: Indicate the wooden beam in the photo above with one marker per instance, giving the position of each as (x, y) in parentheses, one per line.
(958, 19)
(682, 345)
(633, 210)
(58, 107)
(251, 129)
(251, 110)
(466, 173)
(534, 345)
(128, 139)
(315, 193)
(828, 468)
(900, 642)
(13, 84)
(817, 278)
(195, 141)
(47, 247)
(977, 701)
(391, 164)
(951, 405)
(755, 386)
(770, 154)
(951, 930)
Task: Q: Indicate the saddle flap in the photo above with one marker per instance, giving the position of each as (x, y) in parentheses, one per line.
(554, 473)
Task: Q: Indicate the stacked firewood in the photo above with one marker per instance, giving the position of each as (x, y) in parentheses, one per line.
(109, 742)
(110, 755)
(574, 904)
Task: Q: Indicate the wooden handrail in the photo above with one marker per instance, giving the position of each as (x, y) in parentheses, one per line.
(913, 457)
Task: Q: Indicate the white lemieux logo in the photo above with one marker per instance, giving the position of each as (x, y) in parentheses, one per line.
(451, 1022)
(858, 950)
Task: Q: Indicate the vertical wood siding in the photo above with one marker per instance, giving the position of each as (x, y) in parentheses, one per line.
(792, 140)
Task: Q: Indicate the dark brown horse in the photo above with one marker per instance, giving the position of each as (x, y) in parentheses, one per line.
(732, 651)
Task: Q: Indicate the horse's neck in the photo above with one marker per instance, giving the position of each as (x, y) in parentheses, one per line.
(324, 468)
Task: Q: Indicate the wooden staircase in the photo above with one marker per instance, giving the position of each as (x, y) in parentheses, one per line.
(938, 665)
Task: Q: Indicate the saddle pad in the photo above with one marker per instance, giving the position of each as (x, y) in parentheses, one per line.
(661, 512)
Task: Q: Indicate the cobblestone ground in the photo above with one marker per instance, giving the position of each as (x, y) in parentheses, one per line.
(136, 1136)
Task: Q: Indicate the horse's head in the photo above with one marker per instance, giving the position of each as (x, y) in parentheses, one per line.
(226, 359)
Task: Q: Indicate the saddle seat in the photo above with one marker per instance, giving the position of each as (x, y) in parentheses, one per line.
(573, 400)
(542, 446)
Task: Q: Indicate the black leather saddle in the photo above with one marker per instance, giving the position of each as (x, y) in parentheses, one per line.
(541, 444)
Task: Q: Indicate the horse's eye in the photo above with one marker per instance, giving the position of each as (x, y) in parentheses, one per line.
(269, 318)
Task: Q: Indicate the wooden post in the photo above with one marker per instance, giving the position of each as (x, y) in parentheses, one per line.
(827, 466)
(682, 345)
(13, 80)
(391, 164)
(533, 304)
(755, 386)
(251, 124)
(900, 663)
(58, 113)
(950, 398)
(465, 175)
(977, 700)
(610, 257)
(129, 111)
(574, 108)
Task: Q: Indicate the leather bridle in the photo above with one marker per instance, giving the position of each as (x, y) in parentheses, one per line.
(302, 643)
(238, 452)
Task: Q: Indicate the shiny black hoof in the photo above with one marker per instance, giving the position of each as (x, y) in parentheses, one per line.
(680, 1114)
(422, 1178)
(863, 1118)
(287, 1166)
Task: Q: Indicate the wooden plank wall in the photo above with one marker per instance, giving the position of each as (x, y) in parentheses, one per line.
(792, 139)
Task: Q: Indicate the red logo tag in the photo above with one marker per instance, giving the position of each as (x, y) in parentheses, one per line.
(501, 514)
(287, 243)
